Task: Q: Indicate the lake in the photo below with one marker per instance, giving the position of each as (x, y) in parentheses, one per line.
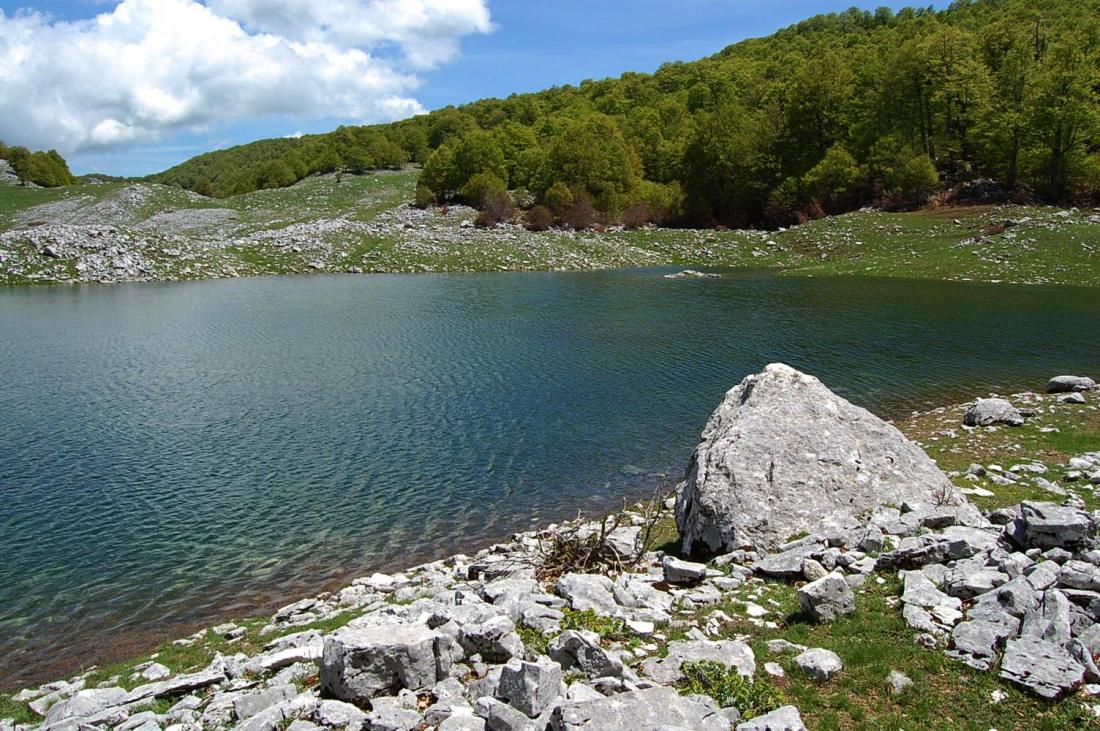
(176, 454)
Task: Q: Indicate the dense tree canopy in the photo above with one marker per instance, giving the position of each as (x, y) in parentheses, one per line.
(834, 112)
(47, 169)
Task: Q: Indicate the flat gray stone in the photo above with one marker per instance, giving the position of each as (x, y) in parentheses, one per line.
(678, 571)
(581, 649)
(1070, 384)
(669, 669)
(1050, 620)
(787, 565)
(649, 709)
(1041, 667)
(462, 722)
(975, 642)
(85, 703)
(588, 591)
(920, 591)
(1047, 525)
(786, 718)
(248, 705)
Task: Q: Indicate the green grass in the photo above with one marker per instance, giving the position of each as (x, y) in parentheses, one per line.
(608, 628)
(18, 712)
(871, 642)
(1078, 431)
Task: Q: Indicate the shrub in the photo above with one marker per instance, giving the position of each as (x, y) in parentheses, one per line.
(424, 198)
(784, 203)
(636, 216)
(523, 198)
(581, 215)
(496, 208)
(559, 199)
(729, 688)
(479, 188)
(538, 218)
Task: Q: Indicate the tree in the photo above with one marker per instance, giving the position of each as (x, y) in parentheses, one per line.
(448, 124)
(818, 105)
(357, 160)
(591, 155)
(835, 182)
(730, 167)
(902, 177)
(1067, 112)
(275, 174)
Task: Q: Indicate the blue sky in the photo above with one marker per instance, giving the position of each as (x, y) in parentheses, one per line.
(530, 46)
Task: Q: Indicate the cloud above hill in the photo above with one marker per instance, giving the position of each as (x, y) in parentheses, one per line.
(148, 68)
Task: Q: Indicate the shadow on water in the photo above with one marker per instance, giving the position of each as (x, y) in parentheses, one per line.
(173, 454)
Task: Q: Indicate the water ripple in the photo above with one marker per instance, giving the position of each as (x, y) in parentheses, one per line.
(172, 454)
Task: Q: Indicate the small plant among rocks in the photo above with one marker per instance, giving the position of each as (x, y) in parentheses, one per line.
(729, 688)
(609, 628)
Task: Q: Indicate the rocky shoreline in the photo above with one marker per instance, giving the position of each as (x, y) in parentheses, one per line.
(599, 625)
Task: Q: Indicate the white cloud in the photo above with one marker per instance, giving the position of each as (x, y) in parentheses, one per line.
(152, 67)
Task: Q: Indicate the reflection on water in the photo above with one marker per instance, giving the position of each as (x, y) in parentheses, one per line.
(174, 453)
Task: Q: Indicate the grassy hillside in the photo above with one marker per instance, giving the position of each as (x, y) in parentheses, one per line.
(119, 232)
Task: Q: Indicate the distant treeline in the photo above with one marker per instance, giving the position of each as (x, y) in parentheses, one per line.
(833, 113)
(47, 169)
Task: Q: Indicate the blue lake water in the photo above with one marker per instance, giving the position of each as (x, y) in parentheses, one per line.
(173, 454)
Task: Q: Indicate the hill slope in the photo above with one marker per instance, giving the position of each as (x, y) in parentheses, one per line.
(151, 232)
(821, 117)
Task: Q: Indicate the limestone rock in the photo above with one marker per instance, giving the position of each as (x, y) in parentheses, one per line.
(1041, 667)
(588, 591)
(530, 686)
(827, 598)
(898, 682)
(581, 649)
(1069, 384)
(780, 452)
(361, 663)
(85, 703)
(786, 718)
(678, 571)
(990, 411)
(1047, 525)
(652, 708)
(819, 663)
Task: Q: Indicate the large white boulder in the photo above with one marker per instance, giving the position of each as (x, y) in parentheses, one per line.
(783, 451)
(359, 663)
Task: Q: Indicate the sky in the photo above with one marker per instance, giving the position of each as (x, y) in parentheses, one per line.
(134, 87)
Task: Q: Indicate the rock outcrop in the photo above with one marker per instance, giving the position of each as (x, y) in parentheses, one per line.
(783, 451)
